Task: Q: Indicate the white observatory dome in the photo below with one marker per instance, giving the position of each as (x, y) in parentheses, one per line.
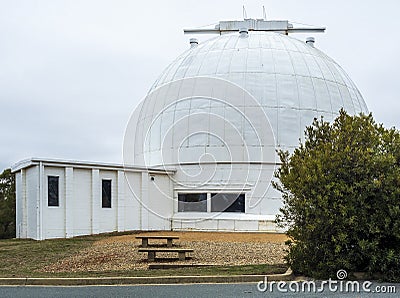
(218, 113)
(292, 80)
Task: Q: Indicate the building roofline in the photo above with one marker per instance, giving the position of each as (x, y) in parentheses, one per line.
(26, 163)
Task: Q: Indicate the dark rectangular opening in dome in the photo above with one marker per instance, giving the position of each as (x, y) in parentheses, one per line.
(228, 202)
(192, 202)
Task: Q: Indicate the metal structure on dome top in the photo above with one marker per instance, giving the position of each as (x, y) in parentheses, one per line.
(249, 24)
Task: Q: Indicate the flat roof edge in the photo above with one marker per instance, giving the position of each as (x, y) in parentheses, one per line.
(26, 163)
(22, 164)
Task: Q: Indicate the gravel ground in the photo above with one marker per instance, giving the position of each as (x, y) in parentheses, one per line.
(120, 252)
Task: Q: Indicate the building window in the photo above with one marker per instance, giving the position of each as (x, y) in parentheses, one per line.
(227, 202)
(106, 194)
(52, 191)
(193, 202)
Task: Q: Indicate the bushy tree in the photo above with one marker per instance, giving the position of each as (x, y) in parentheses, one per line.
(341, 195)
(7, 204)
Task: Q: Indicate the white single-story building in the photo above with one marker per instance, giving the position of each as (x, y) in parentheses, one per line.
(61, 198)
(57, 198)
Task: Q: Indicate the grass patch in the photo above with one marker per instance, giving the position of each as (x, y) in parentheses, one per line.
(23, 258)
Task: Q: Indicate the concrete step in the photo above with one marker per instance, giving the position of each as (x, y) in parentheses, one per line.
(174, 266)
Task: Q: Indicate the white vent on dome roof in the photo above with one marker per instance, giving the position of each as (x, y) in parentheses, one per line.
(243, 32)
(310, 41)
(193, 42)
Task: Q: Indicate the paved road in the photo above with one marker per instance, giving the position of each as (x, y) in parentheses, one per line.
(194, 290)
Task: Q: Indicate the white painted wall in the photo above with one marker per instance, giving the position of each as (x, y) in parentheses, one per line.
(107, 217)
(81, 203)
(32, 192)
(53, 217)
(161, 203)
(19, 206)
(132, 212)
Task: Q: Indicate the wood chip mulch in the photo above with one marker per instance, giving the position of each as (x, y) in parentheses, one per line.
(117, 253)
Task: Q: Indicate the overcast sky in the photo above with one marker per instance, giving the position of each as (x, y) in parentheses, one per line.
(72, 72)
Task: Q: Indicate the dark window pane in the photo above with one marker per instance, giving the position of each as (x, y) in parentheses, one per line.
(106, 194)
(52, 191)
(193, 202)
(227, 202)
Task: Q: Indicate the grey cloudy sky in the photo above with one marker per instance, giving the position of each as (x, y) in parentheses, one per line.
(72, 72)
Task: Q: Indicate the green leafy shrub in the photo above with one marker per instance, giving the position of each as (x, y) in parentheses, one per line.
(341, 198)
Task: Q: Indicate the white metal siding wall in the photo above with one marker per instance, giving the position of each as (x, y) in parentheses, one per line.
(95, 200)
(32, 186)
(161, 204)
(53, 217)
(132, 186)
(69, 202)
(18, 204)
(108, 216)
(120, 202)
(81, 203)
(263, 199)
(144, 202)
